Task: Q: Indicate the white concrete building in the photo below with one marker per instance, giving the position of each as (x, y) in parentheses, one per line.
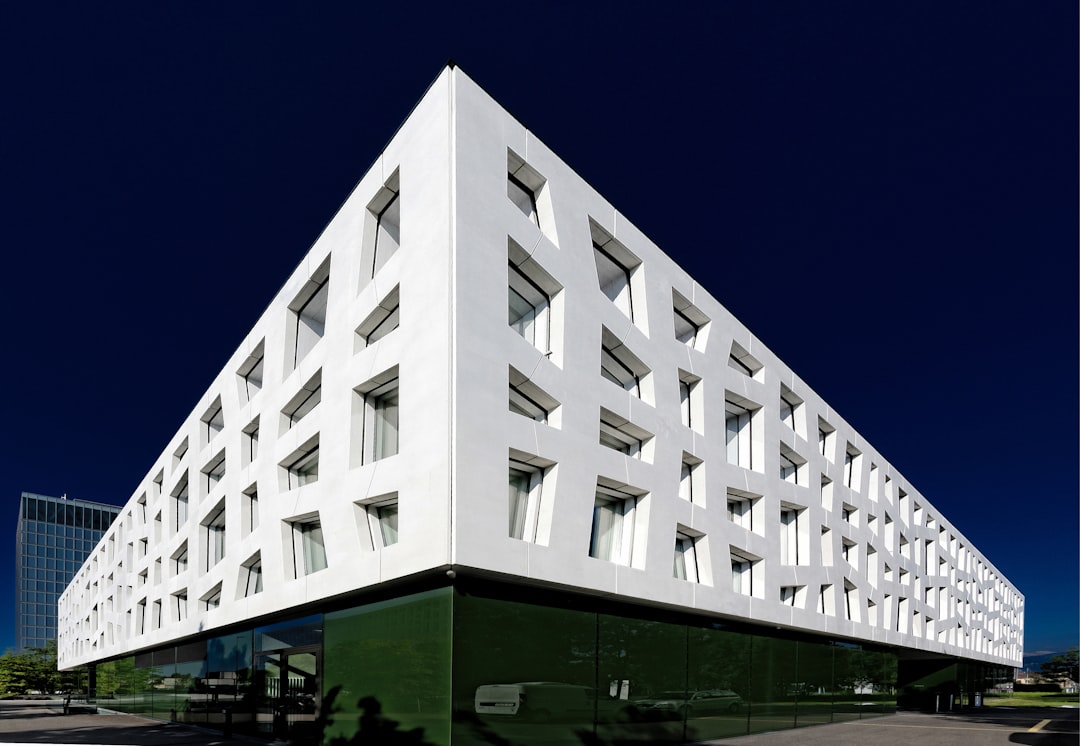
(659, 457)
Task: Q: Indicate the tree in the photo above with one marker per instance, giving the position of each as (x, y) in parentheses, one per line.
(30, 671)
(1062, 666)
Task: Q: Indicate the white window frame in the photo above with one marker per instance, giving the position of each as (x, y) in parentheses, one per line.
(526, 484)
(308, 547)
(612, 535)
(529, 309)
(251, 581)
(213, 527)
(739, 434)
(685, 560)
(382, 434)
(302, 467)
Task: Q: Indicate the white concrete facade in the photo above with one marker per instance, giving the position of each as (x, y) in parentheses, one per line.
(336, 451)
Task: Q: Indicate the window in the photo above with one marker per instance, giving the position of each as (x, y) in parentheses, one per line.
(213, 420)
(792, 551)
(793, 595)
(529, 400)
(382, 408)
(250, 441)
(250, 375)
(691, 479)
(690, 323)
(826, 605)
(791, 465)
(825, 437)
(689, 400)
(526, 480)
(307, 322)
(740, 508)
(251, 576)
(620, 366)
(249, 502)
(300, 405)
(615, 268)
(308, 550)
(623, 436)
(180, 502)
(211, 599)
(384, 319)
(180, 559)
(178, 456)
(686, 564)
(527, 190)
(826, 547)
(213, 471)
(213, 527)
(612, 535)
(743, 361)
(383, 231)
(378, 520)
(739, 424)
(179, 605)
(849, 551)
(851, 467)
(791, 410)
(742, 572)
(302, 466)
(528, 309)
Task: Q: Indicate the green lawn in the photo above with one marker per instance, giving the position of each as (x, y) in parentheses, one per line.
(1032, 699)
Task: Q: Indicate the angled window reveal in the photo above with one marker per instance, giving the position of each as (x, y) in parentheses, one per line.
(307, 314)
(792, 466)
(619, 434)
(692, 479)
(744, 362)
(213, 471)
(302, 403)
(690, 405)
(741, 507)
(250, 374)
(691, 325)
(212, 420)
(743, 564)
(529, 400)
(616, 268)
(527, 189)
(792, 411)
(382, 233)
(179, 503)
(530, 290)
(685, 566)
(826, 437)
(378, 518)
(526, 483)
(249, 439)
(384, 319)
(794, 535)
(249, 506)
(375, 418)
(622, 367)
(251, 581)
(308, 547)
(213, 530)
(742, 448)
(301, 467)
(614, 512)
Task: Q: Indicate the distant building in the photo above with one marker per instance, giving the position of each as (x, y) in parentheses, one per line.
(493, 459)
(54, 537)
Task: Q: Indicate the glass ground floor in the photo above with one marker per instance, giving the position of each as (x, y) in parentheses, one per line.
(481, 663)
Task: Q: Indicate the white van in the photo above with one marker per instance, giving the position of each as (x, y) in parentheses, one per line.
(537, 701)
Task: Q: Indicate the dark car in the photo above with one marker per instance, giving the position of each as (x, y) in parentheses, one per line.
(691, 704)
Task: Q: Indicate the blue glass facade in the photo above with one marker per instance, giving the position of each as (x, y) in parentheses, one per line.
(53, 539)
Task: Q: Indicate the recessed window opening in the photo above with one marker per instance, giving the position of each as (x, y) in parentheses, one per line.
(179, 559)
(791, 409)
(615, 267)
(791, 465)
(825, 438)
(739, 427)
(620, 366)
(690, 323)
(214, 471)
(523, 184)
(308, 548)
(302, 403)
(529, 309)
(302, 466)
(742, 572)
(791, 550)
(686, 562)
(213, 527)
(851, 466)
(826, 605)
(249, 438)
(743, 361)
(211, 599)
(387, 233)
(251, 576)
(213, 420)
(793, 595)
(621, 435)
(180, 452)
(308, 323)
(529, 400)
(384, 319)
(180, 502)
(382, 417)
(740, 508)
(179, 606)
(526, 481)
(249, 503)
(613, 524)
(689, 400)
(250, 375)
(690, 479)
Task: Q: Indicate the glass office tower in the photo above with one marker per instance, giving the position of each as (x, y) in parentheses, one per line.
(53, 539)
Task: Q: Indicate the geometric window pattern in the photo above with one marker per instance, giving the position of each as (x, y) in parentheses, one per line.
(796, 513)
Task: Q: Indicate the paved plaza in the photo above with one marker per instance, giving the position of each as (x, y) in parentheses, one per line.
(44, 723)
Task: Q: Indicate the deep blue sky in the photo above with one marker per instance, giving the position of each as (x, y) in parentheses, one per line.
(885, 193)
